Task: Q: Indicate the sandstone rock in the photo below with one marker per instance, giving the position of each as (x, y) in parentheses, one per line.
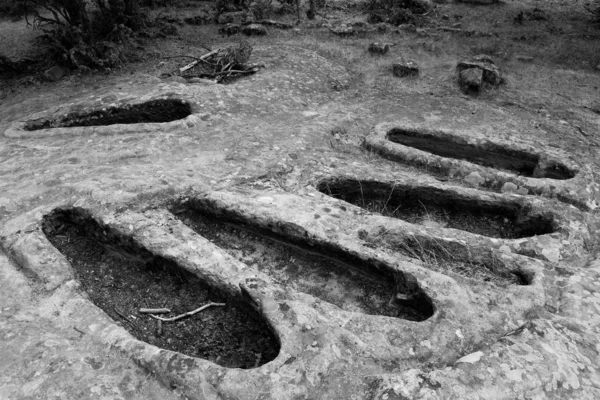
(407, 28)
(470, 80)
(379, 48)
(343, 30)
(509, 187)
(237, 17)
(402, 68)
(491, 73)
(254, 30)
(230, 29)
(54, 74)
(475, 179)
(484, 58)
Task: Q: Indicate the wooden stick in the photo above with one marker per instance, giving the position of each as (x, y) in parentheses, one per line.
(192, 64)
(154, 310)
(187, 314)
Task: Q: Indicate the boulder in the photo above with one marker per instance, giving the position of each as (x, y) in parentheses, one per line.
(402, 68)
(491, 73)
(254, 30)
(470, 80)
(379, 48)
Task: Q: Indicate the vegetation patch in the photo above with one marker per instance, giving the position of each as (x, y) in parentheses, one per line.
(154, 111)
(437, 208)
(122, 278)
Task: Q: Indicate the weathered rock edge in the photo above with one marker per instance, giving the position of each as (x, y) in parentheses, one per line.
(321, 344)
(572, 238)
(17, 129)
(581, 190)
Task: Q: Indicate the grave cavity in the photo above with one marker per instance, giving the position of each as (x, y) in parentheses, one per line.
(438, 208)
(318, 269)
(121, 277)
(487, 154)
(153, 111)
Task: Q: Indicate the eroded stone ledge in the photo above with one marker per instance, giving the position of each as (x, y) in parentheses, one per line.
(496, 165)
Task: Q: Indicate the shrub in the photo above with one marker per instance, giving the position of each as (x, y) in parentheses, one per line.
(84, 39)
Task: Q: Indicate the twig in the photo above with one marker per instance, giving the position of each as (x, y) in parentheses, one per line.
(120, 314)
(187, 314)
(78, 330)
(154, 310)
(192, 64)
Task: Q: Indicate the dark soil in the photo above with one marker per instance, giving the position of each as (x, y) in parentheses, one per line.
(490, 155)
(120, 279)
(436, 208)
(334, 281)
(153, 111)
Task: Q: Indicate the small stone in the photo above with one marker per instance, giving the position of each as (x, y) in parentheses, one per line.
(254, 30)
(342, 30)
(54, 74)
(509, 187)
(402, 68)
(491, 73)
(524, 58)
(379, 48)
(474, 178)
(407, 28)
(470, 80)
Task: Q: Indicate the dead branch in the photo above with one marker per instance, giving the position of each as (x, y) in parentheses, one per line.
(193, 64)
(154, 310)
(120, 314)
(187, 314)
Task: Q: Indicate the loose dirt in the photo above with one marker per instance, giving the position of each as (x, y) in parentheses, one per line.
(121, 281)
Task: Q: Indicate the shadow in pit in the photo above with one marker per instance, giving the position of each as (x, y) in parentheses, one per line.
(437, 208)
(154, 111)
(120, 277)
(487, 154)
(292, 259)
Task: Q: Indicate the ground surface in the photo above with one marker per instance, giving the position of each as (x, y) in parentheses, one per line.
(258, 148)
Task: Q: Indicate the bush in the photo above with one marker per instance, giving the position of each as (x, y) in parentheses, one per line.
(84, 39)
(14, 9)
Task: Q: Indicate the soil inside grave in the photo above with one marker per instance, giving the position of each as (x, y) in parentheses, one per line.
(347, 286)
(121, 280)
(489, 155)
(436, 209)
(154, 111)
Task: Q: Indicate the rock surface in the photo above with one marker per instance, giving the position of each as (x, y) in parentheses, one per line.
(403, 68)
(254, 30)
(257, 149)
(379, 48)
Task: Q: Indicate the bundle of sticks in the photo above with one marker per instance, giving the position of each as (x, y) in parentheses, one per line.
(222, 65)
